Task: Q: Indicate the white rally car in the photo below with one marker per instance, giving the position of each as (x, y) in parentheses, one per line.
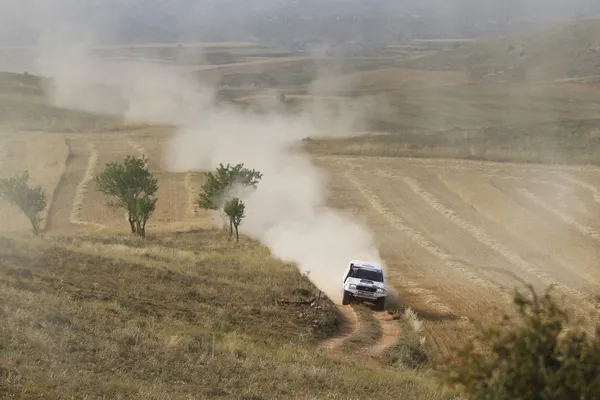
(364, 281)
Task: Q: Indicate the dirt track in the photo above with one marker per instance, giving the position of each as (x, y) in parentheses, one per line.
(456, 236)
(349, 325)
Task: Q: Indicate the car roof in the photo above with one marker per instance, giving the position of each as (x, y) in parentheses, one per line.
(367, 264)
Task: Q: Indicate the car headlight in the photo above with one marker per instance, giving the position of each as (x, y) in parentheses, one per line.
(352, 286)
(380, 290)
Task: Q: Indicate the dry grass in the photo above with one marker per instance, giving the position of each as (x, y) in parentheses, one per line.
(77, 324)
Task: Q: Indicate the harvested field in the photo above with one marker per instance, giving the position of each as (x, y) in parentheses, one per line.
(459, 236)
(456, 236)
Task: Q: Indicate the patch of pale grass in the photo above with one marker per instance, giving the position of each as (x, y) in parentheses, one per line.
(411, 317)
(82, 188)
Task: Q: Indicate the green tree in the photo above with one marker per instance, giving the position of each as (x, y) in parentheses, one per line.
(31, 200)
(217, 189)
(134, 187)
(536, 358)
(235, 209)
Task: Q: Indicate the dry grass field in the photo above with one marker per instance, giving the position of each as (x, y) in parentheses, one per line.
(185, 312)
(182, 316)
(457, 236)
(171, 317)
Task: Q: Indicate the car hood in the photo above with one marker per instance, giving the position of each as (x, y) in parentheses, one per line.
(365, 282)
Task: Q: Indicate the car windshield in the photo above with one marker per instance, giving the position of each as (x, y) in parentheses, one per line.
(360, 273)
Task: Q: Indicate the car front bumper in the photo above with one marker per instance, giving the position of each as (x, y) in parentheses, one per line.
(365, 295)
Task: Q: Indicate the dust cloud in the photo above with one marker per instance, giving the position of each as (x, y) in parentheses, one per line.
(288, 212)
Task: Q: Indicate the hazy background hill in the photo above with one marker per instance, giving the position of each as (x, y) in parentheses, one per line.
(285, 22)
(570, 50)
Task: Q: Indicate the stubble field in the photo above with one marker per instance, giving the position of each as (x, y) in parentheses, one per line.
(456, 236)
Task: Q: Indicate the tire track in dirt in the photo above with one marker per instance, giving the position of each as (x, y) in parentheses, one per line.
(349, 325)
(59, 212)
(390, 333)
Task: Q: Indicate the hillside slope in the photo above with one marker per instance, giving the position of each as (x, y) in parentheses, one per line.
(563, 51)
(180, 316)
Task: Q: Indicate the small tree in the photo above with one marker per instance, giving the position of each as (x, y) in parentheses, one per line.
(31, 200)
(134, 186)
(217, 190)
(536, 359)
(234, 209)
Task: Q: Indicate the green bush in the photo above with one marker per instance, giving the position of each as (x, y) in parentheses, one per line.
(405, 354)
(534, 358)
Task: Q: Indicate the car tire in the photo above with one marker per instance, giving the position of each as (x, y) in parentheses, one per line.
(346, 298)
(380, 304)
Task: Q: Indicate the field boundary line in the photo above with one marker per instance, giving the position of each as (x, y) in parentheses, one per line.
(62, 171)
(81, 191)
(459, 164)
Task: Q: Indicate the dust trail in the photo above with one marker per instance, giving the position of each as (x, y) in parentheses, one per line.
(288, 211)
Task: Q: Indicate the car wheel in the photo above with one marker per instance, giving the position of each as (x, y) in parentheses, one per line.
(346, 298)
